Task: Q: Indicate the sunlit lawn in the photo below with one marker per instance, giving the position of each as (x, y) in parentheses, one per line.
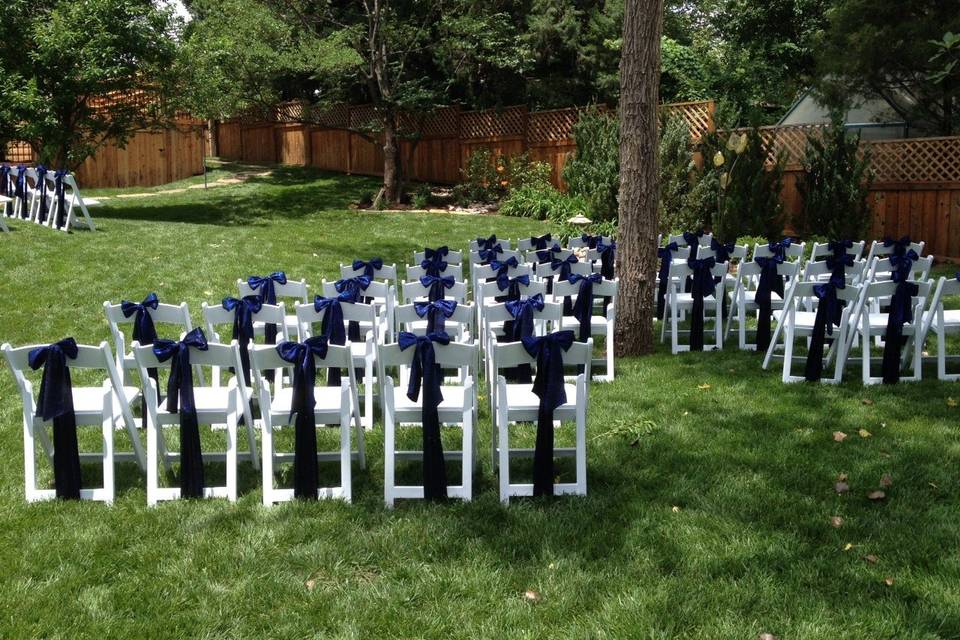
(711, 484)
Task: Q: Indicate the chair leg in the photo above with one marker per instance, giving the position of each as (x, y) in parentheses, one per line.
(267, 450)
(346, 482)
(467, 456)
(941, 353)
(153, 444)
(108, 456)
(503, 441)
(389, 457)
(29, 458)
(232, 455)
(865, 354)
(789, 337)
(581, 458)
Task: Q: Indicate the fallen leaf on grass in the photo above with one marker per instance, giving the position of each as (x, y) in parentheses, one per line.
(841, 487)
(839, 436)
(933, 484)
(310, 584)
(841, 477)
(703, 387)
(531, 596)
(836, 522)
(871, 559)
(867, 401)
(951, 402)
(864, 433)
(675, 509)
(888, 581)
(876, 495)
(848, 546)
(886, 481)
(766, 636)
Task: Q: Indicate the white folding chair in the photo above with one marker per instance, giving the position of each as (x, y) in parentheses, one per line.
(703, 240)
(295, 291)
(880, 248)
(576, 242)
(517, 403)
(743, 298)
(363, 351)
(881, 270)
(334, 406)
(383, 297)
(821, 250)
(486, 295)
(386, 273)
(74, 200)
(418, 291)
(452, 257)
(798, 318)
(415, 272)
(873, 323)
(216, 405)
(942, 322)
(602, 321)
(457, 408)
(103, 405)
(679, 302)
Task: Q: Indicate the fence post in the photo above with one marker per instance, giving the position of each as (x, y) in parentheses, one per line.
(349, 141)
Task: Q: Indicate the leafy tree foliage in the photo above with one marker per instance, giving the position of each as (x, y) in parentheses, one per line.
(594, 170)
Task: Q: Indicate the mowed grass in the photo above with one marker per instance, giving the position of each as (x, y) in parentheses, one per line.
(710, 482)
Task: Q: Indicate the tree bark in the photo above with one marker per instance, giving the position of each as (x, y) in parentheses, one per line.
(213, 131)
(390, 177)
(639, 189)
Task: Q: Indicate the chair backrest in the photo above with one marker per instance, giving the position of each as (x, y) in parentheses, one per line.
(793, 253)
(526, 244)
(88, 357)
(822, 249)
(216, 355)
(560, 254)
(749, 272)
(484, 271)
(415, 271)
(177, 315)
(805, 291)
(945, 287)
(388, 272)
(818, 270)
(378, 290)
(487, 291)
(307, 316)
(582, 268)
(506, 254)
(217, 315)
(875, 290)
(704, 240)
(575, 242)
(739, 252)
(881, 268)
(878, 250)
(453, 355)
(415, 291)
(506, 243)
(453, 257)
(296, 289)
(680, 271)
(464, 316)
(265, 357)
(507, 355)
(604, 288)
(551, 312)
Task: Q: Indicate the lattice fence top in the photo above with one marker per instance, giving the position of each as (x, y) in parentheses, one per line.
(699, 115)
(552, 126)
(442, 123)
(505, 123)
(364, 117)
(916, 160)
(18, 152)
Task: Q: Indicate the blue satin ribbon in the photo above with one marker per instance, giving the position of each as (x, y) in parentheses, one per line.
(829, 313)
(666, 259)
(899, 313)
(180, 397)
(59, 188)
(303, 403)
(583, 307)
(436, 254)
(590, 241)
(692, 238)
(721, 251)
(838, 264)
(490, 253)
(42, 189)
(564, 266)
(502, 268)
(4, 179)
(144, 332)
(370, 267)
(268, 295)
(512, 285)
(243, 312)
(437, 284)
(900, 246)
(779, 249)
(434, 262)
(839, 247)
(523, 315)
(55, 403)
(701, 286)
(549, 388)
(540, 242)
(901, 265)
(435, 312)
(546, 255)
(608, 254)
(486, 243)
(350, 290)
(20, 190)
(770, 281)
(425, 373)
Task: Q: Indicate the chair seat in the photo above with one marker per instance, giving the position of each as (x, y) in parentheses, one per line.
(91, 202)
(878, 323)
(454, 398)
(598, 324)
(803, 320)
(951, 319)
(328, 403)
(89, 400)
(521, 397)
(207, 399)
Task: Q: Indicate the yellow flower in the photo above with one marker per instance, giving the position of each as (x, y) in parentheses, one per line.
(732, 141)
(742, 144)
(724, 180)
(718, 159)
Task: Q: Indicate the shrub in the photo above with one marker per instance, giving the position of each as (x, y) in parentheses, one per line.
(521, 171)
(834, 186)
(542, 203)
(677, 179)
(594, 171)
(481, 180)
(749, 195)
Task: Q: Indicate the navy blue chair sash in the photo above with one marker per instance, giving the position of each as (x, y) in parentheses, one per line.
(829, 313)
(42, 192)
(268, 295)
(59, 189)
(436, 312)
(436, 285)
(243, 312)
(701, 286)
(332, 326)
(20, 191)
(899, 313)
(666, 259)
(144, 332)
(770, 282)
(370, 267)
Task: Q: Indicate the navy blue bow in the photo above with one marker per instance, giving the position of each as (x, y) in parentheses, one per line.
(564, 266)
(839, 247)
(369, 267)
(546, 255)
(838, 264)
(902, 264)
(303, 402)
(486, 243)
(180, 395)
(20, 190)
(268, 295)
(144, 330)
(352, 287)
(437, 284)
(779, 249)
(666, 259)
(243, 312)
(435, 312)
(770, 281)
(540, 242)
(55, 402)
(522, 312)
(490, 253)
(583, 308)
(425, 372)
(549, 388)
(722, 252)
(899, 313)
(433, 267)
(512, 285)
(502, 267)
(590, 241)
(4, 179)
(899, 246)
(701, 286)
(608, 254)
(333, 328)
(829, 313)
(59, 188)
(435, 254)
(42, 189)
(693, 239)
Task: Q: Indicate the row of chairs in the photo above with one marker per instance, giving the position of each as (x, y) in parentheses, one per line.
(48, 198)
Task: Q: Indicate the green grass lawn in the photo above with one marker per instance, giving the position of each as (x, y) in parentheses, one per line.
(711, 484)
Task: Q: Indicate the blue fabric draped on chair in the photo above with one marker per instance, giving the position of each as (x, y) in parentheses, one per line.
(779, 249)
(486, 243)
(722, 251)
(144, 332)
(502, 268)
(437, 285)
(20, 191)
(564, 268)
(268, 295)
(583, 307)
(425, 374)
(59, 188)
(42, 192)
(353, 288)
(55, 402)
(770, 282)
(590, 241)
(243, 312)
(434, 260)
(519, 328)
(900, 312)
(370, 267)
(549, 388)
(332, 327)
(4, 179)
(180, 397)
(608, 254)
(436, 313)
(546, 255)
(900, 247)
(829, 312)
(490, 253)
(540, 243)
(701, 286)
(305, 468)
(666, 259)
(692, 238)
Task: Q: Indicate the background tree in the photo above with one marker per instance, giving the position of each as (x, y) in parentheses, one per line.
(639, 190)
(75, 65)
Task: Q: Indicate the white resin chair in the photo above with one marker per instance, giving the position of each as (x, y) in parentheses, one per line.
(335, 406)
(294, 291)
(105, 406)
(743, 298)
(874, 324)
(679, 303)
(457, 408)
(602, 321)
(418, 291)
(452, 257)
(942, 322)
(517, 403)
(878, 249)
(415, 271)
(821, 250)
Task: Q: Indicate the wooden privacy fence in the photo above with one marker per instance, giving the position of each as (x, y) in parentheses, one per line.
(915, 190)
(331, 139)
(151, 157)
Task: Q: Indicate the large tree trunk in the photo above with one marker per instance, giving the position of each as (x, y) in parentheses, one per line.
(213, 131)
(639, 191)
(391, 181)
